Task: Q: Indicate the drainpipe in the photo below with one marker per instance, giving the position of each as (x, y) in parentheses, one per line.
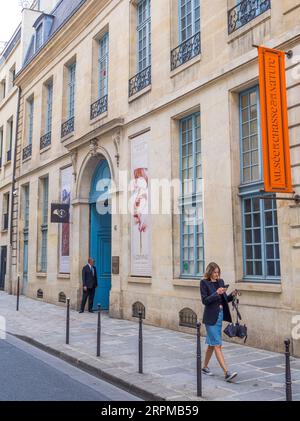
(13, 190)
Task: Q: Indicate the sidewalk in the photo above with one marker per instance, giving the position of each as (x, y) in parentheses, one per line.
(169, 356)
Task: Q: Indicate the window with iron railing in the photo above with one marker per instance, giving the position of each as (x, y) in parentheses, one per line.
(69, 125)
(244, 12)
(100, 106)
(189, 33)
(143, 33)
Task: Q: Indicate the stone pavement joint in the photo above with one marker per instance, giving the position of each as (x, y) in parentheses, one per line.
(169, 356)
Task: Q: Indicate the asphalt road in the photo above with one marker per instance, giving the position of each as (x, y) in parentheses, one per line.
(29, 374)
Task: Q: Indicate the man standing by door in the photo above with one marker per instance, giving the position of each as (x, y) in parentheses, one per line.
(89, 281)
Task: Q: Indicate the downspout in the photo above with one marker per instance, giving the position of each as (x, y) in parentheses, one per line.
(13, 189)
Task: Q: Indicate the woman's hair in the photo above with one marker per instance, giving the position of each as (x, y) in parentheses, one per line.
(210, 270)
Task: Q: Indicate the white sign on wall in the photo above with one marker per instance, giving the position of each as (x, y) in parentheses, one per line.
(141, 264)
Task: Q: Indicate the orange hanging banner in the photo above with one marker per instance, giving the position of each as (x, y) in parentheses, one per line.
(274, 121)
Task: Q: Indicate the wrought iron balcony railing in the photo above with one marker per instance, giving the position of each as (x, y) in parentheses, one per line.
(186, 51)
(99, 107)
(8, 156)
(245, 12)
(45, 141)
(67, 127)
(140, 81)
(27, 152)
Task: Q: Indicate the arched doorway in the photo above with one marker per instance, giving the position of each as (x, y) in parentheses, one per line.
(100, 232)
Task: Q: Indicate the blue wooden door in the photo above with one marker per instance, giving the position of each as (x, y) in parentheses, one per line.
(100, 236)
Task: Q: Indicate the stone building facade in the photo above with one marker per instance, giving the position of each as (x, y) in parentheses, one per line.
(156, 92)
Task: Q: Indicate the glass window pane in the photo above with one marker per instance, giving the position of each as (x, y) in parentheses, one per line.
(271, 268)
(245, 130)
(253, 113)
(256, 204)
(247, 205)
(255, 173)
(253, 98)
(268, 219)
(253, 127)
(247, 160)
(269, 235)
(257, 252)
(257, 236)
(247, 175)
(258, 268)
(249, 269)
(248, 236)
(244, 100)
(248, 221)
(256, 220)
(249, 252)
(270, 251)
(246, 145)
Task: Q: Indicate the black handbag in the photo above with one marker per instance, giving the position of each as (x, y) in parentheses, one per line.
(236, 330)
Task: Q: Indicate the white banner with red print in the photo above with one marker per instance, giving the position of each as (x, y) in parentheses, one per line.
(141, 263)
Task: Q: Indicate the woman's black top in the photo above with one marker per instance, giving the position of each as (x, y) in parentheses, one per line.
(212, 301)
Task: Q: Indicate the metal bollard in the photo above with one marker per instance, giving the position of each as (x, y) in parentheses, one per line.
(99, 331)
(199, 362)
(288, 377)
(18, 293)
(140, 342)
(68, 322)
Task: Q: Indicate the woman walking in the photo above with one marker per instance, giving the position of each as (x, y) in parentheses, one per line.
(215, 300)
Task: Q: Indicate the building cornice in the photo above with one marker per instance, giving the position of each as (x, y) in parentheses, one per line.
(60, 40)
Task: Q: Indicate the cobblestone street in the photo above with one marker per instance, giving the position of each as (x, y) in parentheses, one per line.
(169, 356)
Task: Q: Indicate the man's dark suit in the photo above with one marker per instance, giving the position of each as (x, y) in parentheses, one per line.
(89, 280)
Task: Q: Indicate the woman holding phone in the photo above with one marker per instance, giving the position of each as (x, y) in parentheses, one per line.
(215, 299)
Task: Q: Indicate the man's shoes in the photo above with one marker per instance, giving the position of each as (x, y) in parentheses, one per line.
(81, 312)
(91, 311)
(229, 376)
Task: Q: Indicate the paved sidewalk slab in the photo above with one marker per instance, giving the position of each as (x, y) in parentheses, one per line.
(169, 356)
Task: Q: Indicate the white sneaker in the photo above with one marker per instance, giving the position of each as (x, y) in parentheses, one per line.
(230, 376)
(207, 371)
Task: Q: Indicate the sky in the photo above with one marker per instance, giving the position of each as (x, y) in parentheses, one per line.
(10, 17)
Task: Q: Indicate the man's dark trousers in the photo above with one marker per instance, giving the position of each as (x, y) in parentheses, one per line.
(89, 280)
(89, 293)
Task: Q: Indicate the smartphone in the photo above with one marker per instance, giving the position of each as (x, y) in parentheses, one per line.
(226, 286)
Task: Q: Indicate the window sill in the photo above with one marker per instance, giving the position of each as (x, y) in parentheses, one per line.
(26, 160)
(249, 26)
(140, 93)
(137, 280)
(4, 231)
(45, 149)
(185, 66)
(98, 118)
(67, 137)
(7, 163)
(191, 283)
(258, 287)
(63, 276)
(41, 275)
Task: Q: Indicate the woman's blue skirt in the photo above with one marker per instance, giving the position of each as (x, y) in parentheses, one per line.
(214, 333)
